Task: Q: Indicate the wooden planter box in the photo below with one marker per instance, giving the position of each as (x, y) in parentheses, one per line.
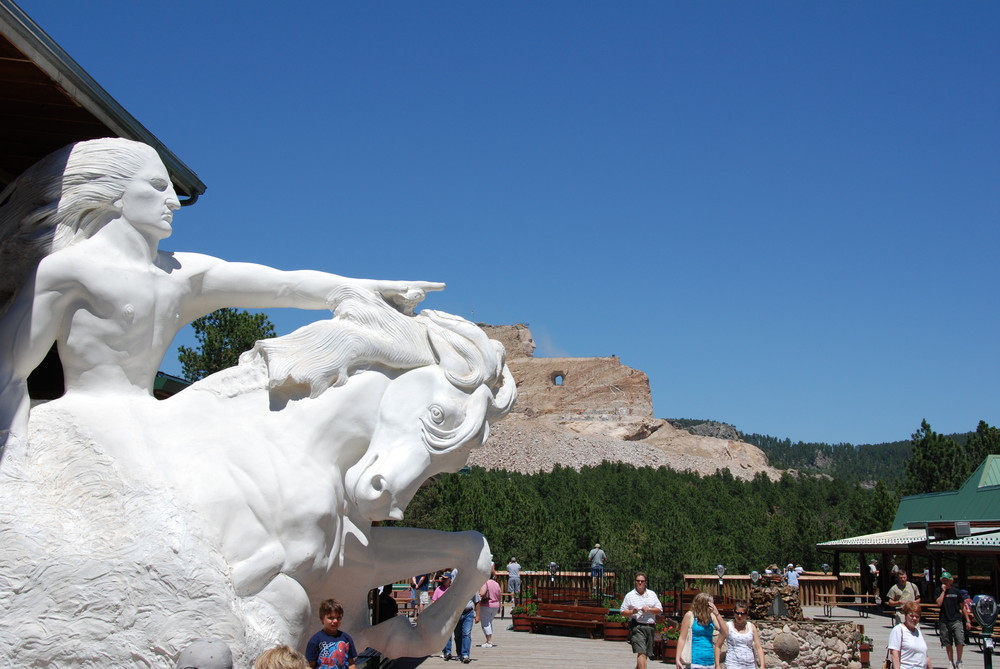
(667, 649)
(521, 623)
(615, 632)
(866, 655)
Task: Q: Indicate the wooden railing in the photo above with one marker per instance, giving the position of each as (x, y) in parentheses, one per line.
(738, 586)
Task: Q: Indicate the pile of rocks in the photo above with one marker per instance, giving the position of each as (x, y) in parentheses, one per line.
(762, 598)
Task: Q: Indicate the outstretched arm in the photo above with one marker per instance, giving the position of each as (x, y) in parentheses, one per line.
(215, 284)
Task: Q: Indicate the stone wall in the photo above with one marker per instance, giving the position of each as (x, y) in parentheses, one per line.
(810, 645)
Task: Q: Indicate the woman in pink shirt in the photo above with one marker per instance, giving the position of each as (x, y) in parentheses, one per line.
(490, 594)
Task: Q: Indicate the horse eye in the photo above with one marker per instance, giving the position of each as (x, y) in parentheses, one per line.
(437, 414)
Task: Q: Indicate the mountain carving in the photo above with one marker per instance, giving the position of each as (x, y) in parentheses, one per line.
(576, 412)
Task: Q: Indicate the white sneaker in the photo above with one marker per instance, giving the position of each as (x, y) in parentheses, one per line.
(487, 645)
(958, 665)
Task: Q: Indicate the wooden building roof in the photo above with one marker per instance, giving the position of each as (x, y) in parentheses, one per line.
(48, 101)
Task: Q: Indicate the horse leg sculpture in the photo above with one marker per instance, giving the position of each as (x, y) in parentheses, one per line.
(402, 552)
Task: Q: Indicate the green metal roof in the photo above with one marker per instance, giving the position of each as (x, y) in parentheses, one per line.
(977, 500)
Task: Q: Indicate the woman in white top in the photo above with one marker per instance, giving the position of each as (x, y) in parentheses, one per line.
(743, 647)
(907, 645)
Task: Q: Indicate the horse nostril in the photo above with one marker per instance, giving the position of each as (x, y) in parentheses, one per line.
(378, 483)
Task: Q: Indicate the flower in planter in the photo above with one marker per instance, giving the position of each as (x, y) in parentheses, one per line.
(528, 609)
(669, 628)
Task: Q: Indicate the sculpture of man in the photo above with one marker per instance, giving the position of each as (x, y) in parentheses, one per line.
(79, 244)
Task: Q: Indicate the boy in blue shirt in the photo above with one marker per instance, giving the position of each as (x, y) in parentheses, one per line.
(330, 647)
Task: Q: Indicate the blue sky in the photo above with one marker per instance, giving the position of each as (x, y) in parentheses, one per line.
(785, 213)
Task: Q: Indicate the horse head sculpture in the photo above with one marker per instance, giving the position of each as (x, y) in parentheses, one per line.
(430, 417)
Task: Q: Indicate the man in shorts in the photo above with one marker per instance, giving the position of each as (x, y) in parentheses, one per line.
(953, 621)
(641, 606)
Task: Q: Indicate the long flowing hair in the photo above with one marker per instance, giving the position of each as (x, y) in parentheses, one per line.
(65, 197)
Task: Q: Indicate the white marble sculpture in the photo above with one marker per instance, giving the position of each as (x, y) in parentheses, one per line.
(130, 526)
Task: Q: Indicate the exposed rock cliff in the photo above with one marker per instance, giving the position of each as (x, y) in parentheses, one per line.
(582, 411)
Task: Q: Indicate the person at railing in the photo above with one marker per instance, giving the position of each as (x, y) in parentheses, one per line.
(791, 576)
(597, 558)
(514, 578)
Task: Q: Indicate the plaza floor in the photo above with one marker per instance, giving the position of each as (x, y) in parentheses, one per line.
(522, 649)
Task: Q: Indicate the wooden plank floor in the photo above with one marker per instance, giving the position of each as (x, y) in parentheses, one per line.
(522, 649)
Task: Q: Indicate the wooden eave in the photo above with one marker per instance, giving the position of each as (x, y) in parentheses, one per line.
(48, 101)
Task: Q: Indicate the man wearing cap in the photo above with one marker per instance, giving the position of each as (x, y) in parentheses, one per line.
(597, 558)
(954, 620)
(463, 628)
(791, 576)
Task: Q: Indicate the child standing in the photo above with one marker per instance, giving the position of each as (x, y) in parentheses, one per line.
(330, 647)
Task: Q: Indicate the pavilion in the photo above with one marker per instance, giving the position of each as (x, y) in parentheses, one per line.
(938, 530)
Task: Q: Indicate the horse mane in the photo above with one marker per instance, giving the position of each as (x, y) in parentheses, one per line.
(364, 332)
(367, 333)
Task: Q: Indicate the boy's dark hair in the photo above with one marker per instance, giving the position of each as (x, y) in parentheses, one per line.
(328, 606)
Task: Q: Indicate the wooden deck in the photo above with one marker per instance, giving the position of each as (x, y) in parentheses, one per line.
(522, 649)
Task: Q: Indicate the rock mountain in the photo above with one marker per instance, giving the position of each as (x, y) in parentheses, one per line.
(582, 411)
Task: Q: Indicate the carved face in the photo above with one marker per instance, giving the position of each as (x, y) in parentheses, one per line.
(149, 200)
(426, 426)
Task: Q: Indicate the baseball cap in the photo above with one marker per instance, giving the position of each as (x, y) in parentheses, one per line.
(946, 574)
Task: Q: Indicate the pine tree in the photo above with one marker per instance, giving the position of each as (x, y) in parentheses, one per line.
(938, 463)
(222, 336)
(984, 441)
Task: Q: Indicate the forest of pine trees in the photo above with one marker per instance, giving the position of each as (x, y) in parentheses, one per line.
(669, 523)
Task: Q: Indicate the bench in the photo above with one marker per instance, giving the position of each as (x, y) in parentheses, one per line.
(977, 637)
(405, 601)
(562, 594)
(930, 613)
(864, 603)
(589, 618)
